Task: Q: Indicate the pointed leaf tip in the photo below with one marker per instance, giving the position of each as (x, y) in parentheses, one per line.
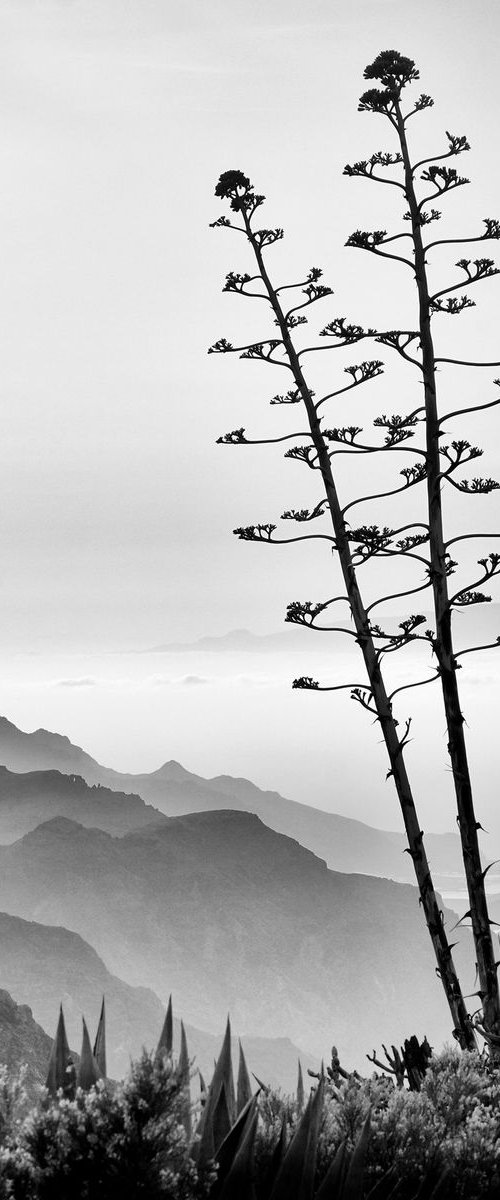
(100, 1041)
(60, 1072)
(244, 1086)
(166, 1041)
(300, 1089)
(88, 1070)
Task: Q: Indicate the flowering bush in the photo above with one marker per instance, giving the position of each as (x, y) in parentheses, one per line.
(115, 1142)
(128, 1140)
(452, 1124)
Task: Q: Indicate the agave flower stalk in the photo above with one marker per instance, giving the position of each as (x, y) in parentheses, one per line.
(282, 351)
(394, 71)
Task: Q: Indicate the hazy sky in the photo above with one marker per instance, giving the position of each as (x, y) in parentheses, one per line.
(117, 116)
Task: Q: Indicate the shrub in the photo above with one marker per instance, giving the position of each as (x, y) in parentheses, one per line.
(452, 1124)
(115, 1142)
(128, 1140)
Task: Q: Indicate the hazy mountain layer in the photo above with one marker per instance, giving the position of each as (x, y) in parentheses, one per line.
(346, 845)
(45, 965)
(42, 751)
(28, 799)
(229, 915)
(48, 965)
(471, 627)
(286, 641)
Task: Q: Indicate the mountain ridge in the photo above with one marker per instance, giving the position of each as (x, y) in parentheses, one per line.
(345, 843)
(228, 914)
(243, 640)
(28, 798)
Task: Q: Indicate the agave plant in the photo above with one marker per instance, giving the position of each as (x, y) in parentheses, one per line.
(292, 1168)
(66, 1070)
(226, 1133)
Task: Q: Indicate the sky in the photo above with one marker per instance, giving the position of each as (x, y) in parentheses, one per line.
(116, 504)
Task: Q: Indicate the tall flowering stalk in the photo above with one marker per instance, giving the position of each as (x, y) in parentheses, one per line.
(354, 547)
(394, 72)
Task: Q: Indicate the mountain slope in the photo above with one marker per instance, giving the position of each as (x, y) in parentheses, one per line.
(347, 845)
(45, 965)
(26, 800)
(42, 751)
(23, 1042)
(229, 915)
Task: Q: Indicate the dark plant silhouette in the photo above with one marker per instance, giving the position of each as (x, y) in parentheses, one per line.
(440, 462)
(409, 1063)
(354, 547)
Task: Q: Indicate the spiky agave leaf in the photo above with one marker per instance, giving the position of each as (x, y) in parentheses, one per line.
(332, 1183)
(100, 1042)
(244, 1087)
(352, 1188)
(239, 1184)
(220, 1093)
(60, 1072)
(223, 1073)
(232, 1144)
(183, 1077)
(221, 1120)
(88, 1069)
(166, 1042)
(309, 1166)
(264, 1087)
(203, 1149)
(183, 1063)
(295, 1179)
(300, 1089)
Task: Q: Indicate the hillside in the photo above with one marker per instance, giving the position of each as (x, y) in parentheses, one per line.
(46, 965)
(227, 914)
(23, 1042)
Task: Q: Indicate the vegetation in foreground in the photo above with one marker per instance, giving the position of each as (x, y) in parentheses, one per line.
(352, 1139)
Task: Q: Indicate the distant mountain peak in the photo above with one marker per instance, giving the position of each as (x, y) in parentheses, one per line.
(6, 724)
(61, 737)
(120, 803)
(41, 733)
(172, 771)
(42, 749)
(236, 641)
(56, 825)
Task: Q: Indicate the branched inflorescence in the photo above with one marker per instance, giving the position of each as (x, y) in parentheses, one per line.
(345, 331)
(431, 463)
(394, 72)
